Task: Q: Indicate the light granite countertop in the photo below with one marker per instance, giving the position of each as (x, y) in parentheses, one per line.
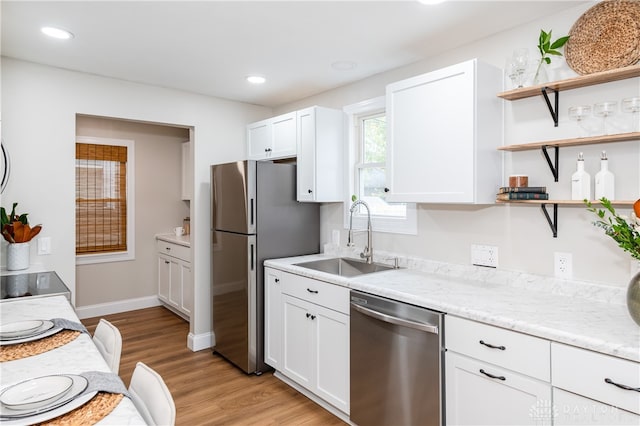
(587, 315)
(183, 240)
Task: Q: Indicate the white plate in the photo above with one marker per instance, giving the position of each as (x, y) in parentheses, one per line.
(78, 386)
(55, 411)
(19, 328)
(35, 393)
(46, 330)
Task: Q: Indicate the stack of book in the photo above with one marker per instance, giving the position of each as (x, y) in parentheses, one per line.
(508, 193)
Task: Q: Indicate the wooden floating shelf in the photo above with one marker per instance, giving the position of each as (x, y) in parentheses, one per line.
(591, 140)
(573, 83)
(565, 202)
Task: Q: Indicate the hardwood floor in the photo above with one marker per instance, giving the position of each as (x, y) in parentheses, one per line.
(207, 389)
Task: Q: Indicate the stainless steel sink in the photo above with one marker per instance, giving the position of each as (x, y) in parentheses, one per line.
(344, 267)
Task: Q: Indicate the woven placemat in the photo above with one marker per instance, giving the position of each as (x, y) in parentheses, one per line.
(23, 350)
(90, 413)
(605, 37)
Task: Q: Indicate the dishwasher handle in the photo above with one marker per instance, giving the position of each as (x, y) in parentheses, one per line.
(429, 328)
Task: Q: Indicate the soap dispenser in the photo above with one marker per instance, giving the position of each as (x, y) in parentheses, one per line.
(604, 180)
(580, 182)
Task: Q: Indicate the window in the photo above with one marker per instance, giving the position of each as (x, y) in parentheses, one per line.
(104, 200)
(368, 152)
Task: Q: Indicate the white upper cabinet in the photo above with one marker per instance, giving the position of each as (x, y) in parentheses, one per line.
(187, 172)
(272, 138)
(320, 154)
(443, 131)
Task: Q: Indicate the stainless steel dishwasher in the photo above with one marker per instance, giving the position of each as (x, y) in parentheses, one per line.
(396, 363)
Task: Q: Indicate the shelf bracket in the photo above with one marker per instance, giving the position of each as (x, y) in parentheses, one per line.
(553, 165)
(553, 110)
(553, 224)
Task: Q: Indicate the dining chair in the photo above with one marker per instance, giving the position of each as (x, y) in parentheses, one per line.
(151, 396)
(108, 339)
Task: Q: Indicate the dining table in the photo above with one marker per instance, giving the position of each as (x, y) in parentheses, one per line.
(68, 353)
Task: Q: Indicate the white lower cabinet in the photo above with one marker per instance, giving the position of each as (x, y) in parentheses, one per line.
(175, 282)
(594, 389)
(495, 376)
(479, 393)
(307, 339)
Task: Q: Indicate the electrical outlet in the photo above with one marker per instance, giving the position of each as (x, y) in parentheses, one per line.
(44, 245)
(563, 267)
(482, 255)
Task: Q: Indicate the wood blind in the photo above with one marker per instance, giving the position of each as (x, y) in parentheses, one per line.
(101, 198)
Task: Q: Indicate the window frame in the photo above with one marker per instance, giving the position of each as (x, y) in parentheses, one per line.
(129, 254)
(389, 224)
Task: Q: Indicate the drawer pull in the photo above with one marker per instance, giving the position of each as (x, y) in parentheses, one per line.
(277, 280)
(168, 248)
(312, 291)
(502, 348)
(621, 386)
(491, 376)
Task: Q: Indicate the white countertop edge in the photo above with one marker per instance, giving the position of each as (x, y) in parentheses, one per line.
(183, 240)
(596, 325)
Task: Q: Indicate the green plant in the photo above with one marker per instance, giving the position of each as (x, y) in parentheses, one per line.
(547, 47)
(625, 231)
(15, 228)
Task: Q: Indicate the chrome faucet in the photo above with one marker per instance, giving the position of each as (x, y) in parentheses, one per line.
(367, 254)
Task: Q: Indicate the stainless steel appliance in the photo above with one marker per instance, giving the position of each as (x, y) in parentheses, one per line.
(396, 363)
(255, 216)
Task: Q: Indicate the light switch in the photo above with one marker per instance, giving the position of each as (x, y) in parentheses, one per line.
(44, 245)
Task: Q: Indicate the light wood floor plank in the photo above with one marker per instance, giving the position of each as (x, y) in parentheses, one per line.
(207, 389)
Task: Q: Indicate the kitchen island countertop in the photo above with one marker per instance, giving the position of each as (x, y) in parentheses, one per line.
(587, 321)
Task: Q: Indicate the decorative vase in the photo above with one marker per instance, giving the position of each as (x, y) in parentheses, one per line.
(17, 256)
(541, 76)
(633, 298)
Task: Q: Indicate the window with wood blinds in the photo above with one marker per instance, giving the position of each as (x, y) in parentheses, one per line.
(103, 179)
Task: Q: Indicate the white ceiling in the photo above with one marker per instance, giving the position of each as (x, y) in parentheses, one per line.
(209, 47)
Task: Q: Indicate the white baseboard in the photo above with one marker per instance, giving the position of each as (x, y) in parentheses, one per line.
(102, 309)
(198, 342)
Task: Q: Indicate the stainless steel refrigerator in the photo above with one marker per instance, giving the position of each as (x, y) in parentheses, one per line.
(255, 216)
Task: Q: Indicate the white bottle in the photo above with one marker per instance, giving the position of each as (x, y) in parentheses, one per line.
(604, 180)
(580, 182)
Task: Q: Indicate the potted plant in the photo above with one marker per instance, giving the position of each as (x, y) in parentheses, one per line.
(546, 47)
(626, 232)
(17, 232)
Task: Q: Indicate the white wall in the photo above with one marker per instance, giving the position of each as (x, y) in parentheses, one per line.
(445, 232)
(39, 105)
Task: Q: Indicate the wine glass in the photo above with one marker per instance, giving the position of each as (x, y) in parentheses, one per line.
(604, 110)
(580, 113)
(510, 71)
(520, 60)
(632, 105)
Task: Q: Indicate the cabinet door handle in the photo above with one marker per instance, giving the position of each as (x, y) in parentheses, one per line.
(312, 291)
(310, 191)
(621, 386)
(166, 262)
(277, 280)
(313, 317)
(387, 190)
(502, 348)
(491, 376)
(168, 248)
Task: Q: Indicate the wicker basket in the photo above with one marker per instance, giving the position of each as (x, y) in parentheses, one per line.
(605, 37)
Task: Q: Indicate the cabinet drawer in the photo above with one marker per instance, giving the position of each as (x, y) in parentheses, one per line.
(585, 372)
(509, 349)
(174, 250)
(319, 292)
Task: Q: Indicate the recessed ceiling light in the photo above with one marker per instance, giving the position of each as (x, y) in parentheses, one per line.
(344, 65)
(256, 79)
(430, 2)
(57, 33)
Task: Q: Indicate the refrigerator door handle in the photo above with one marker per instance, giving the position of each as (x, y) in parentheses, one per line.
(251, 261)
(251, 209)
